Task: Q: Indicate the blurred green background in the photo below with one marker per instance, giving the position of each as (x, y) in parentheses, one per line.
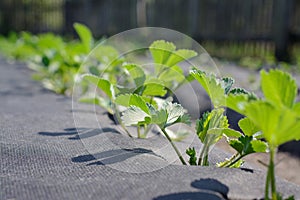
(254, 33)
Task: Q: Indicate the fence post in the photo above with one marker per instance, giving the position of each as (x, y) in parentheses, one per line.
(280, 29)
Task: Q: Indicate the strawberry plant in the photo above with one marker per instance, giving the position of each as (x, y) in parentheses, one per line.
(277, 115)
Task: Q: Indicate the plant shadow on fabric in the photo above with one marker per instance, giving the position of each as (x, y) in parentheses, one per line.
(80, 133)
(209, 189)
(111, 156)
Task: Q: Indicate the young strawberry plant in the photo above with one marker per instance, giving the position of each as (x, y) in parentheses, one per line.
(277, 115)
(212, 126)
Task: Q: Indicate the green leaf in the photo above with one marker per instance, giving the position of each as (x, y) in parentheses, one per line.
(211, 85)
(237, 145)
(202, 126)
(172, 77)
(296, 108)
(159, 118)
(248, 127)
(231, 133)
(259, 146)
(213, 120)
(107, 55)
(174, 112)
(185, 119)
(123, 99)
(179, 56)
(134, 116)
(132, 100)
(161, 50)
(237, 102)
(279, 87)
(137, 73)
(191, 152)
(102, 84)
(136, 100)
(151, 89)
(278, 125)
(85, 36)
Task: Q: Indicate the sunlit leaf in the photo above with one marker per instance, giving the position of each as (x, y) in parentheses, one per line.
(133, 116)
(136, 73)
(102, 84)
(161, 50)
(211, 85)
(179, 56)
(279, 87)
(85, 36)
(248, 127)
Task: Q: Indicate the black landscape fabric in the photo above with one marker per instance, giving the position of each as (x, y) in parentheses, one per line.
(44, 157)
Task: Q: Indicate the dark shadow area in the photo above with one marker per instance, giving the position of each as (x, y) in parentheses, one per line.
(92, 133)
(189, 195)
(111, 156)
(292, 147)
(247, 170)
(233, 119)
(210, 188)
(80, 133)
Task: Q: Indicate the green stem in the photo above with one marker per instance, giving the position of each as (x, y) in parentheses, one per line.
(267, 185)
(271, 182)
(203, 158)
(272, 174)
(235, 160)
(228, 162)
(174, 146)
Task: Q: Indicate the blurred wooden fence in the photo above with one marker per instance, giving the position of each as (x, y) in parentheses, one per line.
(275, 21)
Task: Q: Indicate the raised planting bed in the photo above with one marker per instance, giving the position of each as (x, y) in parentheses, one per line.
(42, 156)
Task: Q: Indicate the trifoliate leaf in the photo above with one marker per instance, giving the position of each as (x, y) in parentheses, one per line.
(136, 73)
(161, 50)
(133, 116)
(211, 85)
(279, 87)
(179, 56)
(191, 152)
(85, 36)
(248, 127)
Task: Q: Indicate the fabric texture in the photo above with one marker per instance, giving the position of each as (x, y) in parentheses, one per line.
(44, 156)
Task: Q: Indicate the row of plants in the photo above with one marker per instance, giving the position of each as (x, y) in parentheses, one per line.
(142, 98)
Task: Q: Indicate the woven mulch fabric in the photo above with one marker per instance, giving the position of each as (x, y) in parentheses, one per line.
(44, 156)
